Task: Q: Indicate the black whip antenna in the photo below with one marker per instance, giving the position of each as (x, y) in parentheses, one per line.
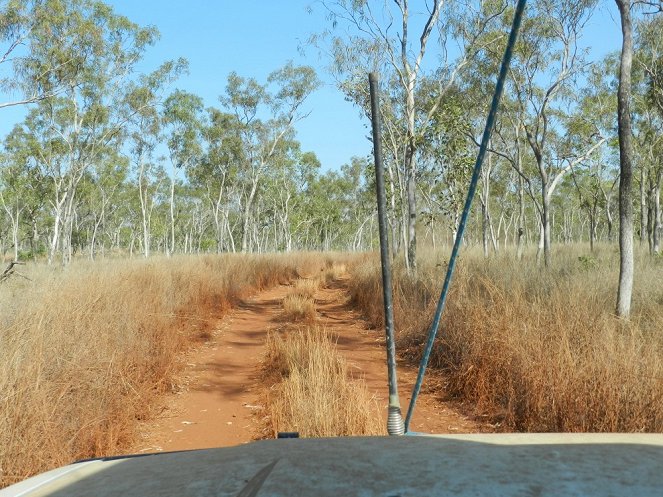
(395, 424)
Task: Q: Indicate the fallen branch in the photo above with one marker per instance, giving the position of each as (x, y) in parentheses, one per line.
(11, 270)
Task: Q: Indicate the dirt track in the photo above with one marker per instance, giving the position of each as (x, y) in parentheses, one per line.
(219, 402)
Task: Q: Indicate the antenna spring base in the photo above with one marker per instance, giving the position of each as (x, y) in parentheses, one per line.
(395, 424)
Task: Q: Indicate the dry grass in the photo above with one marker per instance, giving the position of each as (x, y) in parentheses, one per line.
(314, 394)
(298, 308)
(333, 272)
(306, 288)
(86, 352)
(537, 350)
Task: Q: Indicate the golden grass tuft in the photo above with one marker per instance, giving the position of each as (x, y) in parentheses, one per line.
(334, 272)
(306, 288)
(314, 394)
(85, 352)
(536, 349)
(298, 308)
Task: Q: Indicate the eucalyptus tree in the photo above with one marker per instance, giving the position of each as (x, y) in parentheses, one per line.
(216, 173)
(144, 131)
(181, 117)
(547, 61)
(44, 152)
(648, 125)
(591, 185)
(329, 201)
(286, 184)
(594, 176)
(94, 52)
(109, 178)
(445, 157)
(16, 180)
(648, 150)
(381, 36)
(358, 203)
(626, 265)
(39, 42)
(266, 114)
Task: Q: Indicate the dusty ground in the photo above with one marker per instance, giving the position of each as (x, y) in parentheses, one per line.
(219, 399)
(365, 351)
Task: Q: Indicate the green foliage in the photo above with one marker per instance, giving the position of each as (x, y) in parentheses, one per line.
(87, 159)
(588, 263)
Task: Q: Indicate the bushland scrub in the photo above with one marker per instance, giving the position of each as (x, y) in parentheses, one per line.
(85, 352)
(535, 349)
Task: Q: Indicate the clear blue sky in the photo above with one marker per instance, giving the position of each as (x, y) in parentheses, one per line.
(254, 37)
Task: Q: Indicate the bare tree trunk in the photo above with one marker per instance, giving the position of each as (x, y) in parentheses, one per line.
(484, 198)
(656, 232)
(608, 214)
(93, 239)
(411, 210)
(625, 289)
(545, 220)
(15, 218)
(643, 207)
(650, 221)
(246, 216)
(521, 218)
(231, 237)
(68, 221)
(507, 228)
(171, 250)
(592, 231)
(484, 228)
(394, 223)
(541, 244)
(15, 238)
(142, 191)
(55, 238)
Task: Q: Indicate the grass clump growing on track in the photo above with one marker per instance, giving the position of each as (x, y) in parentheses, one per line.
(298, 308)
(333, 272)
(299, 305)
(85, 352)
(536, 349)
(314, 393)
(306, 288)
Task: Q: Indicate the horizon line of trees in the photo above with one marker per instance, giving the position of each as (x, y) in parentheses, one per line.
(111, 160)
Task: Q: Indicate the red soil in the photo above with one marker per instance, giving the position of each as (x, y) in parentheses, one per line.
(219, 402)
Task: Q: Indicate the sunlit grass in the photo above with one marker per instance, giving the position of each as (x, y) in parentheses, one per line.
(536, 349)
(314, 394)
(86, 351)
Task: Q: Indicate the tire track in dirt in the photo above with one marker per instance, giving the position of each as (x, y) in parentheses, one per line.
(364, 349)
(218, 404)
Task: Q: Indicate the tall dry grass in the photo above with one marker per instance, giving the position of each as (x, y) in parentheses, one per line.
(85, 352)
(313, 392)
(536, 349)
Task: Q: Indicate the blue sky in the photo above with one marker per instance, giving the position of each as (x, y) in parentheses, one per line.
(254, 37)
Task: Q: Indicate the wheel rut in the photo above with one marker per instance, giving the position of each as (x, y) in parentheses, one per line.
(218, 404)
(365, 351)
(219, 398)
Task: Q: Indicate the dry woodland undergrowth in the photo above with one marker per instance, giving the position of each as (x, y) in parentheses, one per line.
(85, 352)
(312, 391)
(536, 349)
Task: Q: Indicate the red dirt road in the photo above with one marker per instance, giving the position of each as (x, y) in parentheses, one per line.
(219, 402)
(364, 350)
